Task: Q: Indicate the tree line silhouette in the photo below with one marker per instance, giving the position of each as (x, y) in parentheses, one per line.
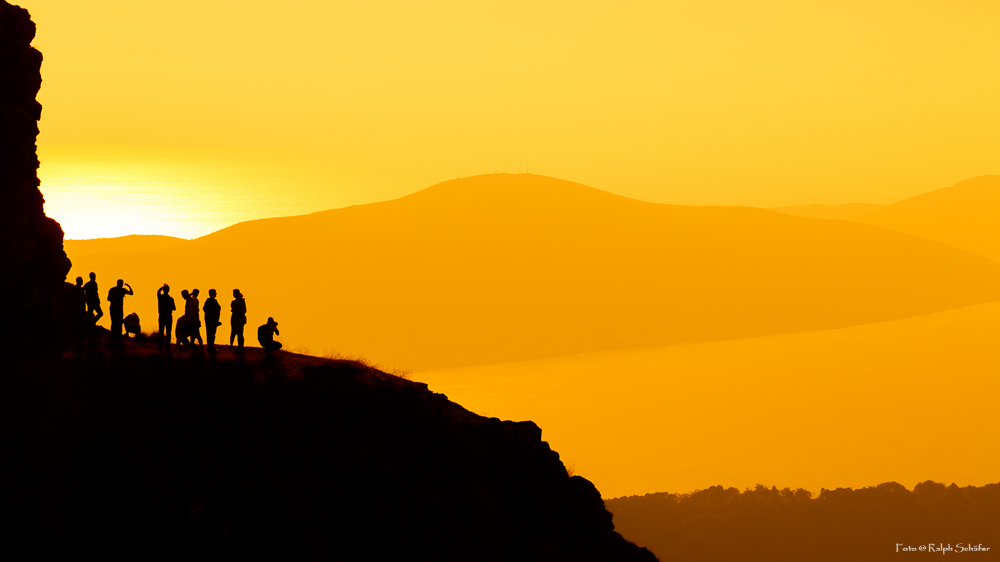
(724, 524)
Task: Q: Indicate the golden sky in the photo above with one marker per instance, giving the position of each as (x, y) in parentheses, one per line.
(305, 105)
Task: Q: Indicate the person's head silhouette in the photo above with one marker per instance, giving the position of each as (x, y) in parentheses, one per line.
(93, 276)
(237, 293)
(194, 293)
(271, 322)
(211, 293)
(121, 282)
(166, 288)
(79, 281)
(185, 293)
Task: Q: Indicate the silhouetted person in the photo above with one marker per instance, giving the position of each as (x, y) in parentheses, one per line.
(213, 310)
(79, 310)
(132, 326)
(116, 296)
(192, 321)
(265, 335)
(182, 329)
(93, 299)
(166, 307)
(81, 293)
(80, 298)
(239, 319)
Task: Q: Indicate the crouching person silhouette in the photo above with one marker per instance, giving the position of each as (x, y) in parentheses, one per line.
(132, 326)
(265, 335)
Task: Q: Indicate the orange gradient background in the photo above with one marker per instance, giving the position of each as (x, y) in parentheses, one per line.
(767, 103)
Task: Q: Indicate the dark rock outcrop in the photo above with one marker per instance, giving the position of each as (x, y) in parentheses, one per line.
(134, 454)
(303, 458)
(31, 253)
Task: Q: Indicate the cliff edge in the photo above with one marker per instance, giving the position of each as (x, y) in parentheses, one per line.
(122, 451)
(31, 252)
(289, 457)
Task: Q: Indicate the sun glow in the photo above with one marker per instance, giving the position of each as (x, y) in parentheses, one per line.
(101, 192)
(710, 103)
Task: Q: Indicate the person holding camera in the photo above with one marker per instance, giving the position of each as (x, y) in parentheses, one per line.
(116, 296)
(265, 335)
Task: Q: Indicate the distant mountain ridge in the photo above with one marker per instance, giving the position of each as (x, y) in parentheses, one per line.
(502, 267)
(965, 215)
(119, 245)
(849, 212)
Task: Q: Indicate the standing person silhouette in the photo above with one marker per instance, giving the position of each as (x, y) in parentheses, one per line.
(239, 318)
(213, 310)
(79, 308)
(182, 330)
(166, 307)
(79, 299)
(192, 323)
(93, 299)
(265, 335)
(116, 296)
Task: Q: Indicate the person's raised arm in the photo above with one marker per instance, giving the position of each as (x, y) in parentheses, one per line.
(129, 289)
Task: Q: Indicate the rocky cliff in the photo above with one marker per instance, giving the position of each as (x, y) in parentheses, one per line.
(31, 253)
(130, 453)
(141, 455)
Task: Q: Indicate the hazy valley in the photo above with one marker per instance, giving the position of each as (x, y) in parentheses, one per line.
(500, 268)
(831, 352)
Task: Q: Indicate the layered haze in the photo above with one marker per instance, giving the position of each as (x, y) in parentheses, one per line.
(965, 215)
(850, 211)
(662, 348)
(501, 267)
(902, 401)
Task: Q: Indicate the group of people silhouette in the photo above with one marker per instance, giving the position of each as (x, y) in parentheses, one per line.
(187, 330)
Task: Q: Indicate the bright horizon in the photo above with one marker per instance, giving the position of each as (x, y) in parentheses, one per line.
(181, 118)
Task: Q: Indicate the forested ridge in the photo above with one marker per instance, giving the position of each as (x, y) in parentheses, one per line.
(724, 524)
